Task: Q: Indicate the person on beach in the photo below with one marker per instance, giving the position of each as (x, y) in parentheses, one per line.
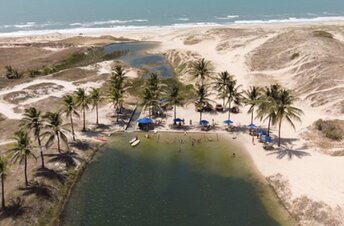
(190, 122)
(233, 155)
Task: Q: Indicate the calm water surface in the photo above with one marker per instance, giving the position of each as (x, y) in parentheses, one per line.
(166, 181)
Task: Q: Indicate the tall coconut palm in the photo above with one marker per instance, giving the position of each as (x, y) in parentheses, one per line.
(174, 99)
(82, 101)
(148, 100)
(200, 69)
(54, 130)
(233, 95)
(4, 167)
(69, 109)
(203, 100)
(286, 110)
(118, 74)
(152, 93)
(116, 98)
(22, 150)
(32, 121)
(267, 104)
(95, 99)
(221, 81)
(251, 98)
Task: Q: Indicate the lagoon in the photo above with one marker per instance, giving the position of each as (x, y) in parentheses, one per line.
(172, 179)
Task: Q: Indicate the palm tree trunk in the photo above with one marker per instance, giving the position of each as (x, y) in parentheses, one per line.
(25, 171)
(200, 116)
(224, 101)
(3, 191)
(72, 124)
(97, 121)
(252, 117)
(269, 123)
(279, 132)
(229, 110)
(84, 123)
(58, 142)
(175, 114)
(41, 150)
(117, 114)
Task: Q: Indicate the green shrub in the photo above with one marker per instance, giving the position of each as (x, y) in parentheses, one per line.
(329, 129)
(294, 56)
(322, 34)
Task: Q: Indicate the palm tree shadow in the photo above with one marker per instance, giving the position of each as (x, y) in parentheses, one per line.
(69, 158)
(82, 145)
(289, 152)
(13, 210)
(50, 174)
(39, 189)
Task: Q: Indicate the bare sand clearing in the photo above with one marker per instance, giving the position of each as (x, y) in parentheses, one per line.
(310, 183)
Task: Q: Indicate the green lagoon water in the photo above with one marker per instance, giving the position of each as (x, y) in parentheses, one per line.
(168, 181)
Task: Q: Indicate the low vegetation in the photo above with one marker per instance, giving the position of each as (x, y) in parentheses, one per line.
(330, 129)
(323, 34)
(79, 59)
(294, 56)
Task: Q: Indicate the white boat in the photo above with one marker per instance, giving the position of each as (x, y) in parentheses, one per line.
(136, 142)
(133, 140)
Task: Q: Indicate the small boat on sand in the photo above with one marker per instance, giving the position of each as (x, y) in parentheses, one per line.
(132, 140)
(135, 143)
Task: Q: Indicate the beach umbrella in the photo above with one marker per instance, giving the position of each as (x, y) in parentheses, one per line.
(266, 139)
(261, 132)
(204, 122)
(178, 120)
(145, 120)
(228, 122)
(252, 126)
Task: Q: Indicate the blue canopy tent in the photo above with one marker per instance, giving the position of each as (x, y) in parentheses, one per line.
(261, 132)
(228, 122)
(204, 122)
(266, 139)
(252, 126)
(145, 121)
(178, 120)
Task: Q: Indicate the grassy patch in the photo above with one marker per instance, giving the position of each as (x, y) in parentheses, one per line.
(330, 129)
(322, 34)
(294, 56)
(79, 59)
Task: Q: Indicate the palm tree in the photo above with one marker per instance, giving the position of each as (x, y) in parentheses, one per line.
(22, 150)
(152, 93)
(220, 84)
(233, 95)
(82, 100)
(251, 98)
(286, 110)
(267, 104)
(95, 99)
(116, 98)
(202, 101)
(118, 74)
(174, 99)
(4, 167)
(33, 122)
(200, 69)
(69, 109)
(54, 130)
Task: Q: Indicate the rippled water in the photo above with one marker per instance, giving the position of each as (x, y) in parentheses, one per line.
(171, 180)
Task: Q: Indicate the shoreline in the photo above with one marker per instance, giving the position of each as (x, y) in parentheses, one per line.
(71, 32)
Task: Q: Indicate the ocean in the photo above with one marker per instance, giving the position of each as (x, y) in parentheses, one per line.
(33, 16)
